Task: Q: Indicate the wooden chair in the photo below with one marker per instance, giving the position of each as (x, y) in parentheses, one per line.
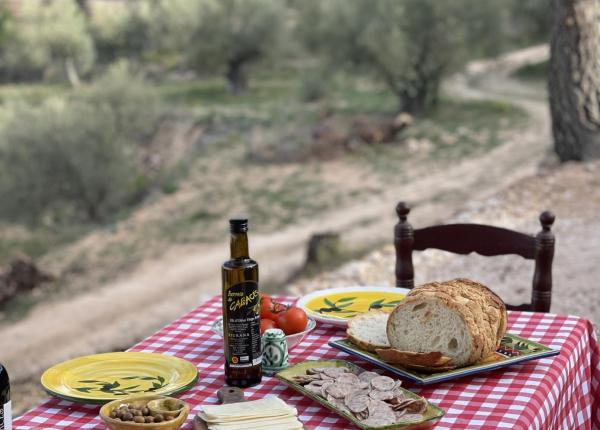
(484, 240)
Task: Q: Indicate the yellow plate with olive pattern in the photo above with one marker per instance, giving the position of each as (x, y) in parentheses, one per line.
(337, 305)
(101, 378)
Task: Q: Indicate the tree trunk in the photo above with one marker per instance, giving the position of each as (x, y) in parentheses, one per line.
(236, 77)
(72, 74)
(574, 79)
(84, 5)
(413, 101)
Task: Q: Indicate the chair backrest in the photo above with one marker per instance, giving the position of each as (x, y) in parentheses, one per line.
(484, 240)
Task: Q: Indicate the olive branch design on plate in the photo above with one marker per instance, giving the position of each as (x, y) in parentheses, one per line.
(511, 347)
(117, 389)
(381, 303)
(339, 306)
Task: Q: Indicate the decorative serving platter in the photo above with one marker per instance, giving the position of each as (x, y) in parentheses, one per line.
(101, 378)
(430, 416)
(337, 305)
(513, 349)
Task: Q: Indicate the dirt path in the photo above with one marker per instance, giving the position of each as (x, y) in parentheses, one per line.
(158, 291)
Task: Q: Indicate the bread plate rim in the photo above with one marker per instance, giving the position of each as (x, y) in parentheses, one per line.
(448, 375)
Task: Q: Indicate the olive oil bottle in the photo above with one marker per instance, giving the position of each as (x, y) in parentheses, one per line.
(5, 404)
(241, 311)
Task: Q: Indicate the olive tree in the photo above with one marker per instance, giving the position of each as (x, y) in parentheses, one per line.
(148, 30)
(73, 159)
(410, 45)
(232, 34)
(172, 24)
(49, 36)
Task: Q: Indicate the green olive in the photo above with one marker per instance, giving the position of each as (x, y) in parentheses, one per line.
(139, 419)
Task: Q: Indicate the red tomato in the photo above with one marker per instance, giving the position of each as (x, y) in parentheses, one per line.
(270, 309)
(292, 321)
(266, 324)
(265, 305)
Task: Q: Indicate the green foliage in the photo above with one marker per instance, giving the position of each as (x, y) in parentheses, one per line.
(5, 18)
(133, 103)
(156, 31)
(410, 44)
(119, 31)
(64, 160)
(533, 72)
(487, 26)
(497, 27)
(49, 38)
(314, 86)
(530, 22)
(73, 159)
(235, 33)
(172, 23)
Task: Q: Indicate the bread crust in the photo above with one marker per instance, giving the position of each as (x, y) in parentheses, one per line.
(482, 311)
(428, 359)
(428, 369)
(493, 305)
(367, 346)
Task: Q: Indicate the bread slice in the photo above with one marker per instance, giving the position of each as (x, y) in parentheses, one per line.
(368, 330)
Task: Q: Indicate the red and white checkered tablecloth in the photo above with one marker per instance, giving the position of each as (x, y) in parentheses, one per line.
(561, 392)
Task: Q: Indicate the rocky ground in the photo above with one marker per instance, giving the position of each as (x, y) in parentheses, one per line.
(571, 191)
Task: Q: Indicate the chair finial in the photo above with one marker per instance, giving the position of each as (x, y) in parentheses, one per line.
(402, 210)
(546, 220)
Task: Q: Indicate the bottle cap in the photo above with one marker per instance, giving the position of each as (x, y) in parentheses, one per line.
(238, 225)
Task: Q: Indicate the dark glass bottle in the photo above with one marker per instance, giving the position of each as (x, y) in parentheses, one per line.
(241, 312)
(5, 405)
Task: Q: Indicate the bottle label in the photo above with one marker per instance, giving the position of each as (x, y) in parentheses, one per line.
(242, 325)
(6, 416)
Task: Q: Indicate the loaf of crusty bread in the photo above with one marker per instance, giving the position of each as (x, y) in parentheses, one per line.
(461, 319)
(368, 330)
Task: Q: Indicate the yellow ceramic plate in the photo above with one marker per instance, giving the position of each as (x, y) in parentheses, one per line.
(102, 378)
(337, 305)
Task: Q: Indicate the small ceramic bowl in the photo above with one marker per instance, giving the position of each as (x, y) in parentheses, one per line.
(140, 401)
(168, 408)
(292, 339)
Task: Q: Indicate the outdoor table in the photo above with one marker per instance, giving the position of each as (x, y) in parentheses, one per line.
(560, 392)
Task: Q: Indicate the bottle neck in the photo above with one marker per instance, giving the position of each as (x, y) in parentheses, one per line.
(239, 246)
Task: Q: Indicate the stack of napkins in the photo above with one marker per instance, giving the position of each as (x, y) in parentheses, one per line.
(270, 413)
